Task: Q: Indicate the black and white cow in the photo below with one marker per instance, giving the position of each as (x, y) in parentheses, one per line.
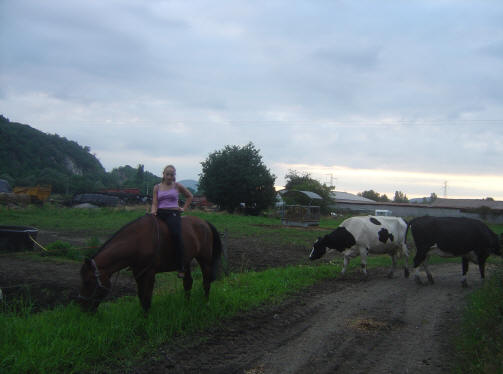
(363, 235)
(468, 238)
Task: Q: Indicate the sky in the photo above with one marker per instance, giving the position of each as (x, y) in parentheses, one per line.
(384, 95)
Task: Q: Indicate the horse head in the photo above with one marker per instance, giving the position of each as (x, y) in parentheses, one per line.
(94, 286)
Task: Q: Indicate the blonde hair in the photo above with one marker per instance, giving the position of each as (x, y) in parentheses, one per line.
(164, 170)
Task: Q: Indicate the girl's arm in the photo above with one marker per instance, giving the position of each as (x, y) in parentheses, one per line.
(187, 194)
(153, 210)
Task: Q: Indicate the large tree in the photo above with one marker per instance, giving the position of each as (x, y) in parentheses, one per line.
(304, 182)
(236, 175)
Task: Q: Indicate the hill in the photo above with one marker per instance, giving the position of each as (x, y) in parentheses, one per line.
(30, 157)
(190, 183)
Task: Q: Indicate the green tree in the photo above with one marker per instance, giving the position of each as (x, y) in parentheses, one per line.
(140, 175)
(304, 182)
(400, 197)
(236, 175)
(372, 195)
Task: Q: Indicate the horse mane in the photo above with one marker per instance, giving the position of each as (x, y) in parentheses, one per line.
(116, 234)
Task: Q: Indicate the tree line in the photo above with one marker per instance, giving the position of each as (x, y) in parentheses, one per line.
(234, 178)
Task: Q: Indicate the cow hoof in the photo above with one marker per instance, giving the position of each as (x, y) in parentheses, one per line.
(418, 281)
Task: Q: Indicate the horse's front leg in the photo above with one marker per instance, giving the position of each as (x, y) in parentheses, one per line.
(145, 284)
(187, 282)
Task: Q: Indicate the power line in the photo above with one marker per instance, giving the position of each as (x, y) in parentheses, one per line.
(313, 123)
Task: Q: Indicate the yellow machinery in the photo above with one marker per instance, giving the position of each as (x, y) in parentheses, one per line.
(40, 193)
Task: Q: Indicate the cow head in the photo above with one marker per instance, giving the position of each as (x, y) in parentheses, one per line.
(319, 248)
(340, 239)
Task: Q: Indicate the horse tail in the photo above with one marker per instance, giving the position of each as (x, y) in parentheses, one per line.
(216, 252)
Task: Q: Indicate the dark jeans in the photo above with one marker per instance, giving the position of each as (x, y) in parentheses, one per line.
(174, 221)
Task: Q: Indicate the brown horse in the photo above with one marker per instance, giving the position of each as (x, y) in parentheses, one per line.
(146, 247)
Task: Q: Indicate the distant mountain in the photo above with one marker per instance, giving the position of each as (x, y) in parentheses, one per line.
(190, 183)
(30, 157)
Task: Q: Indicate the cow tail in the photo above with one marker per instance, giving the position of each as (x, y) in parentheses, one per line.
(406, 230)
(216, 253)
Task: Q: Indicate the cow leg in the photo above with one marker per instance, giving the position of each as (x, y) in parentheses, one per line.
(363, 259)
(428, 272)
(482, 268)
(405, 252)
(465, 264)
(393, 265)
(419, 259)
(346, 263)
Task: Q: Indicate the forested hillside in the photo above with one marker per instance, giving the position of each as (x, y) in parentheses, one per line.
(30, 157)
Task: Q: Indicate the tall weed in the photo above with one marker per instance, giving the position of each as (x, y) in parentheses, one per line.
(480, 342)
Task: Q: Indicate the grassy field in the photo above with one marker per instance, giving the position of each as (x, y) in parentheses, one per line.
(67, 340)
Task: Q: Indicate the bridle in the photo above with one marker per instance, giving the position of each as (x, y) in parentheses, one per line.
(99, 285)
(97, 274)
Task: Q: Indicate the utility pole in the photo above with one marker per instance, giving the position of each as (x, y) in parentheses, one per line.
(331, 179)
(445, 189)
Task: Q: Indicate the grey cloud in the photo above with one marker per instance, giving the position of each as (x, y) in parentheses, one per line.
(312, 83)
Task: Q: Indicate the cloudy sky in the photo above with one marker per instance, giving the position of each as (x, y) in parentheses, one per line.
(382, 95)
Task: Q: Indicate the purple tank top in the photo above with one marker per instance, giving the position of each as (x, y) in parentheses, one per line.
(168, 199)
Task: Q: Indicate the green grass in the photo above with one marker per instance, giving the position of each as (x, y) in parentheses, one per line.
(480, 342)
(52, 217)
(105, 221)
(67, 340)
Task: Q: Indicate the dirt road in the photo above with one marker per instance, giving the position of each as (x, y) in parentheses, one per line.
(339, 326)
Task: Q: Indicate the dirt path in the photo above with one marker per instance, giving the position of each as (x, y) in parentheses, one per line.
(338, 326)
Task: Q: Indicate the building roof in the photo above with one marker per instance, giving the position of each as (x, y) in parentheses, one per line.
(466, 203)
(311, 195)
(346, 196)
